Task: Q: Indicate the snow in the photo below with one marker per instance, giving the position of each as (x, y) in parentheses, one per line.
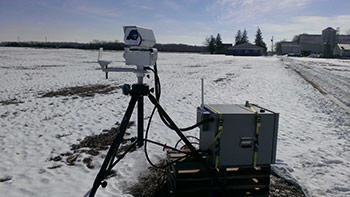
(314, 130)
(331, 75)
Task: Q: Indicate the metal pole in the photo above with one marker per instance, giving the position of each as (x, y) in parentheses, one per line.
(140, 116)
(202, 92)
(140, 121)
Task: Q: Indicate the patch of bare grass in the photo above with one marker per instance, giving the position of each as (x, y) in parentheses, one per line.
(90, 145)
(10, 101)
(82, 91)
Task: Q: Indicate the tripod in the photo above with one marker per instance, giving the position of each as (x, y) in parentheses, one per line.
(137, 92)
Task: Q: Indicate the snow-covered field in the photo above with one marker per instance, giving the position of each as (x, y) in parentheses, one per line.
(314, 131)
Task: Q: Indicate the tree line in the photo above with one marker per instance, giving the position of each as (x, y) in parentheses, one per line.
(215, 45)
(106, 45)
(212, 44)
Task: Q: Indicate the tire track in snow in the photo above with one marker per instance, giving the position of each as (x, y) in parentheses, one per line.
(327, 92)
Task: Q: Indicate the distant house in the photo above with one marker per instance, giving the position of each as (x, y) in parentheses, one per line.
(342, 50)
(288, 48)
(226, 46)
(223, 48)
(245, 49)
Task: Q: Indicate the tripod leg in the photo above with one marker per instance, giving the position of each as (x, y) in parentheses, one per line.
(177, 130)
(105, 169)
(140, 121)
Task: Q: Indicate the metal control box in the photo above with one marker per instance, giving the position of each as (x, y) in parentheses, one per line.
(140, 58)
(238, 135)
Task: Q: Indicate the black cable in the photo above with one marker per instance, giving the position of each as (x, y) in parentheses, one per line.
(177, 143)
(197, 124)
(146, 136)
(161, 115)
(158, 93)
(145, 146)
(147, 140)
(168, 147)
(186, 128)
(157, 82)
(157, 87)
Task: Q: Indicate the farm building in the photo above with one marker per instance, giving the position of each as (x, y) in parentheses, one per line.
(245, 49)
(322, 44)
(288, 48)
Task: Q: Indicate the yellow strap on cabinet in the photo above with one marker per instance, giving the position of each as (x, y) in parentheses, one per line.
(257, 128)
(251, 109)
(220, 129)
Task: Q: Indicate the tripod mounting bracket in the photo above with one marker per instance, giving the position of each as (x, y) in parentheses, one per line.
(137, 89)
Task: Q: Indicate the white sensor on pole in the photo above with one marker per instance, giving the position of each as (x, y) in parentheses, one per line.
(100, 54)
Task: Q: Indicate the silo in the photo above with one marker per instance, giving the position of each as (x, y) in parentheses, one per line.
(329, 36)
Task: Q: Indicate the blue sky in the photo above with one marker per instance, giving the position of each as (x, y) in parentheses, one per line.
(182, 21)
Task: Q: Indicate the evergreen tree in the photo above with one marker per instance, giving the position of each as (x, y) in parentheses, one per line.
(259, 39)
(218, 44)
(244, 37)
(210, 44)
(238, 37)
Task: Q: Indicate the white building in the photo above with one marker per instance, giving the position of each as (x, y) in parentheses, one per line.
(342, 50)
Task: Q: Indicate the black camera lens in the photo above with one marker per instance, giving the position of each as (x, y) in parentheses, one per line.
(133, 35)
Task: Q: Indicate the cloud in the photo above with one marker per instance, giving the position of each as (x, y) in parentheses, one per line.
(95, 11)
(171, 4)
(246, 10)
(172, 30)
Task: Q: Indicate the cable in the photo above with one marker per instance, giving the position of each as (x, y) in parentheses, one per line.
(197, 124)
(146, 135)
(145, 146)
(167, 147)
(158, 93)
(157, 87)
(164, 120)
(147, 140)
(186, 128)
(157, 82)
(188, 136)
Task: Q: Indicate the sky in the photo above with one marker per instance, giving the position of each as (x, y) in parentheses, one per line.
(181, 21)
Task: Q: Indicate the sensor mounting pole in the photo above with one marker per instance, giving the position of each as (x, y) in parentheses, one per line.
(140, 111)
(202, 80)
